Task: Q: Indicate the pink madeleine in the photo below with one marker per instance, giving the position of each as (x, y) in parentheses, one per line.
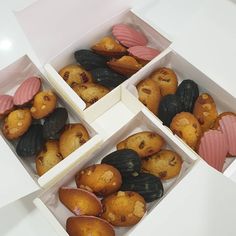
(228, 127)
(6, 104)
(129, 36)
(213, 148)
(144, 53)
(27, 91)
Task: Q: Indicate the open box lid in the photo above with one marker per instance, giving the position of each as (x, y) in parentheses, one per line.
(202, 204)
(49, 30)
(202, 31)
(15, 181)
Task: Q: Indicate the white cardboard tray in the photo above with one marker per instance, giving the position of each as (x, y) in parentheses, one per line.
(56, 54)
(25, 178)
(57, 213)
(184, 70)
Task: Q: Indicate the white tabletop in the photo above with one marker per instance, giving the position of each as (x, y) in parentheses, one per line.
(21, 217)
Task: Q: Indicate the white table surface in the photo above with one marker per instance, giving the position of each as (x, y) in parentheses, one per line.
(21, 217)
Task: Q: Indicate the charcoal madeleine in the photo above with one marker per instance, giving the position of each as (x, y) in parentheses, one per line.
(89, 60)
(107, 77)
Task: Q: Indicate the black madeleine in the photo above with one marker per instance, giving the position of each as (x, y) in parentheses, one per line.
(32, 142)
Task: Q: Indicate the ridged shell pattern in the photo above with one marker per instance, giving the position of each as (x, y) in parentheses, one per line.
(143, 52)
(6, 103)
(128, 36)
(27, 91)
(228, 127)
(213, 148)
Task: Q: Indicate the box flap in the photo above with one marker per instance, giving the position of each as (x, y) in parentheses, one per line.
(52, 25)
(15, 181)
(202, 204)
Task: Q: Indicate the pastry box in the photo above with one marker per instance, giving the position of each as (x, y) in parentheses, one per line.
(19, 173)
(79, 27)
(224, 101)
(49, 203)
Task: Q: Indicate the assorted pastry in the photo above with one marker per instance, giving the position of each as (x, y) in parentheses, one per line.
(38, 128)
(116, 191)
(190, 115)
(108, 63)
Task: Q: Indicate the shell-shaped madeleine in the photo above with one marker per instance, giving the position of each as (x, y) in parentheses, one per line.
(6, 104)
(126, 65)
(143, 53)
(26, 91)
(80, 201)
(128, 36)
(213, 148)
(88, 225)
(107, 46)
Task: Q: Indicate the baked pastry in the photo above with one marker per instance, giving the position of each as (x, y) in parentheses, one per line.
(143, 53)
(228, 127)
(90, 92)
(107, 77)
(75, 74)
(124, 208)
(205, 111)
(107, 46)
(147, 185)
(31, 142)
(144, 143)
(187, 127)
(88, 225)
(129, 36)
(213, 148)
(80, 201)
(166, 79)
(188, 93)
(26, 91)
(48, 157)
(101, 179)
(221, 115)
(169, 106)
(44, 103)
(72, 138)
(149, 94)
(54, 123)
(6, 105)
(125, 65)
(89, 60)
(165, 164)
(16, 123)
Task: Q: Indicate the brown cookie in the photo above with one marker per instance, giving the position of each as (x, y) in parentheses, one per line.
(205, 111)
(187, 127)
(165, 164)
(101, 179)
(44, 103)
(166, 79)
(124, 208)
(90, 92)
(149, 94)
(75, 74)
(72, 138)
(144, 143)
(16, 123)
(48, 157)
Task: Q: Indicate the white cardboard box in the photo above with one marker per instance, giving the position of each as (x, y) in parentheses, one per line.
(57, 50)
(57, 213)
(184, 70)
(19, 174)
(202, 190)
